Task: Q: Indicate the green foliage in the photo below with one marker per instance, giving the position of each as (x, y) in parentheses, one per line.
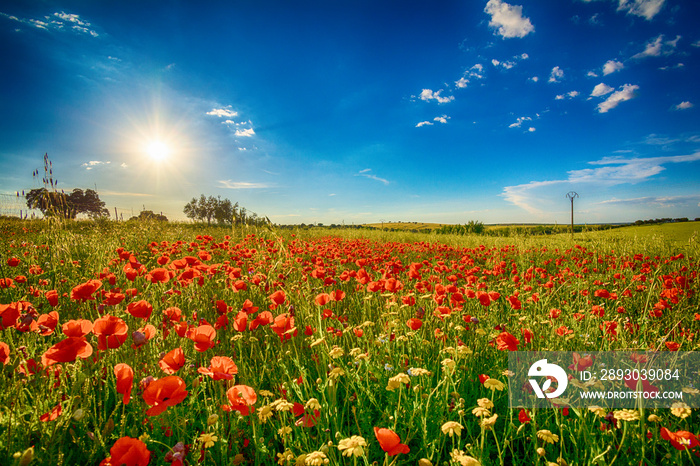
(222, 211)
(69, 206)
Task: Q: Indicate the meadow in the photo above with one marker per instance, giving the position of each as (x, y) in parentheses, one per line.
(153, 343)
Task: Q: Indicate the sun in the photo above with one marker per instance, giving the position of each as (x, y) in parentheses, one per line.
(158, 150)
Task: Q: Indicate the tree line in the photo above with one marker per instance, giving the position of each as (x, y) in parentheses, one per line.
(222, 212)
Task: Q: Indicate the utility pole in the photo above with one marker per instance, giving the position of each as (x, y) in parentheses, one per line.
(572, 195)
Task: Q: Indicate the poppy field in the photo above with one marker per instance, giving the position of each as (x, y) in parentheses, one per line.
(139, 343)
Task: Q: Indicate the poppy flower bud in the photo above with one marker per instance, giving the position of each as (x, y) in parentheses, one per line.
(78, 414)
(27, 456)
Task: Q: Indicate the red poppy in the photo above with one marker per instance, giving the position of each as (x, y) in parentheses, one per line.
(174, 314)
(67, 350)
(681, 439)
(13, 262)
(240, 397)
(564, 330)
(337, 295)
(484, 298)
(125, 380)
(161, 393)
(277, 298)
(172, 361)
(263, 318)
(112, 298)
(248, 307)
(52, 415)
(528, 335)
(390, 441)
(142, 335)
(306, 419)
(220, 368)
(52, 297)
(85, 291)
(506, 341)
(282, 324)
(240, 323)
(414, 324)
(581, 362)
(4, 353)
(524, 416)
(140, 309)
(127, 451)
(203, 337)
(9, 313)
(514, 302)
(46, 323)
(77, 328)
(111, 332)
(322, 299)
(159, 275)
(672, 345)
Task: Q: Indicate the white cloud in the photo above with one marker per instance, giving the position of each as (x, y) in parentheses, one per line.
(627, 92)
(601, 89)
(505, 64)
(658, 201)
(684, 105)
(644, 8)
(534, 79)
(245, 132)
(366, 173)
(424, 123)
(592, 74)
(531, 129)
(94, 163)
(658, 47)
(556, 74)
(462, 83)
(442, 119)
(609, 171)
(568, 95)
(223, 112)
(508, 19)
(519, 122)
(228, 184)
(524, 56)
(429, 95)
(56, 22)
(612, 66)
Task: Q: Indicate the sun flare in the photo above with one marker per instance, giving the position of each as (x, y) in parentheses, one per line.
(158, 150)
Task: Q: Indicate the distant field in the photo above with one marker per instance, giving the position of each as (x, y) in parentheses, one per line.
(669, 232)
(405, 226)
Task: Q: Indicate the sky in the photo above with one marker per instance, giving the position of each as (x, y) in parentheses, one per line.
(350, 112)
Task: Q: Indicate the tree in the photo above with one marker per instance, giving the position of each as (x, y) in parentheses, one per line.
(88, 203)
(208, 208)
(55, 203)
(150, 215)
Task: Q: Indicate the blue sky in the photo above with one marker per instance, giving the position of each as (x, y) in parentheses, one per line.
(360, 111)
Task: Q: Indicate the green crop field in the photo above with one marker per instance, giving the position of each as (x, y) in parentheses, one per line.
(155, 343)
